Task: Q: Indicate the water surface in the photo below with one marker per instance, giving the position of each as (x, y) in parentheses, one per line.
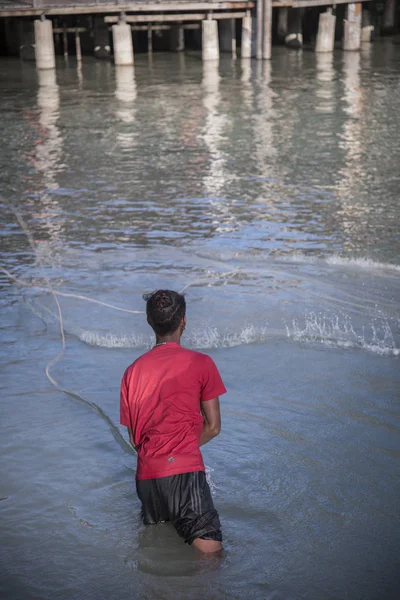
(269, 193)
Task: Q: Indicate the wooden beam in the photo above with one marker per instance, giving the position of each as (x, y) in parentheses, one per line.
(175, 18)
(70, 29)
(311, 3)
(118, 8)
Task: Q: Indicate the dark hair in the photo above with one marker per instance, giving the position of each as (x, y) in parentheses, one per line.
(165, 310)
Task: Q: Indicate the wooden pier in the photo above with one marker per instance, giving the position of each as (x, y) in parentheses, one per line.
(249, 27)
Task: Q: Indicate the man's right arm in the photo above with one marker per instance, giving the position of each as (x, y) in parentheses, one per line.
(212, 420)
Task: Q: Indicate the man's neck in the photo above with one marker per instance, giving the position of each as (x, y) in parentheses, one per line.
(164, 339)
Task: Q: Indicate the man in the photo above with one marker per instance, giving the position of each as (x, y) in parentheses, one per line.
(170, 404)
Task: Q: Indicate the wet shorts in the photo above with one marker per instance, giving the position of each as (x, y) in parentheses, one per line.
(185, 500)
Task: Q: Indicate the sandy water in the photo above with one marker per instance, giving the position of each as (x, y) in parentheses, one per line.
(269, 192)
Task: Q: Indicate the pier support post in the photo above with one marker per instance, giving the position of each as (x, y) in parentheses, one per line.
(389, 16)
(259, 28)
(210, 40)
(227, 36)
(26, 40)
(12, 36)
(352, 27)
(65, 41)
(326, 32)
(367, 29)
(294, 38)
(78, 46)
(101, 39)
(44, 44)
(246, 35)
(282, 23)
(177, 39)
(267, 29)
(123, 47)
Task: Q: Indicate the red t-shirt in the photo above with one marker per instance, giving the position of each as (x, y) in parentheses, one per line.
(160, 401)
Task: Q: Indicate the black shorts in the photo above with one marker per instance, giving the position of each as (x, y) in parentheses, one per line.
(185, 500)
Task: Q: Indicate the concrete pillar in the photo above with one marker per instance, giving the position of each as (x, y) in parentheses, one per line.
(65, 41)
(210, 40)
(326, 32)
(12, 35)
(44, 45)
(227, 35)
(352, 27)
(123, 47)
(367, 29)
(389, 16)
(294, 38)
(101, 39)
(267, 29)
(78, 46)
(282, 23)
(26, 40)
(259, 26)
(246, 35)
(177, 39)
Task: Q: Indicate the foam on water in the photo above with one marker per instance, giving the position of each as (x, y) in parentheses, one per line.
(210, 481)
(340, 261)
(338, 331)
(206, 338)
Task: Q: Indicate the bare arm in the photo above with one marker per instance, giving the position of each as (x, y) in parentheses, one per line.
(132, 441)
(212, 420)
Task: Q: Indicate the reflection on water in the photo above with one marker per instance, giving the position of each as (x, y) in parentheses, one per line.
(47, 158)
(49, 145)
(352, 144)
(325, 78)
(263, 120)
(125, 92)
(213, 131)
(265, 152)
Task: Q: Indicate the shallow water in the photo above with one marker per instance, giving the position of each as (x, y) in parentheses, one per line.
(269, 192)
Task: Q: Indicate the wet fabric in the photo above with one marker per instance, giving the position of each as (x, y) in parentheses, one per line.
(161, 395)
(185, 500)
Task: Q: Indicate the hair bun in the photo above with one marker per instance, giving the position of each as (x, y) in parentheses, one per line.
(164, 301)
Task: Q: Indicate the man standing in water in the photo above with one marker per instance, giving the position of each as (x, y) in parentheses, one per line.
(170, 404)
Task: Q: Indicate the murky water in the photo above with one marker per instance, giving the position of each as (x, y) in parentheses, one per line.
(269, 192)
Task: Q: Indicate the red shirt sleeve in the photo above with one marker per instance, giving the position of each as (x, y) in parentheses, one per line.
(124, 403)
(212, 384)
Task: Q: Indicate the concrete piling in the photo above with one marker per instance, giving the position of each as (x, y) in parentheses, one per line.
(227, 36)
(352, 27)
(259, 26)
(26, 39)
(282, 26)
(44, 44)
(101, 39)
(326, 32)
(367, 29)
(294, 38)
(389, 16)
(177, 39)
(123, 47)
(210, 49)
(78, 46)
(267, 29)
(65, 41)
(246, 36)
